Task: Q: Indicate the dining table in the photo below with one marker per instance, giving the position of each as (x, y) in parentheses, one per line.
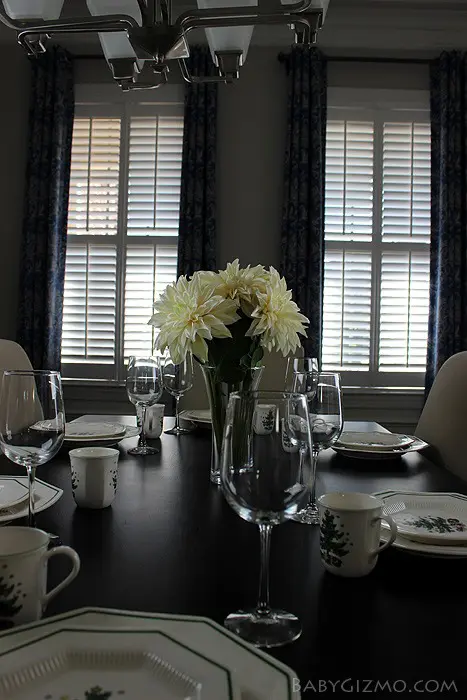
(170, 543)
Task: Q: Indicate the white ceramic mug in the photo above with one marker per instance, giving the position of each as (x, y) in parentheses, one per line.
(154, 421)
(94, 475)
(264, 418)
(23, 573)
(350, 527)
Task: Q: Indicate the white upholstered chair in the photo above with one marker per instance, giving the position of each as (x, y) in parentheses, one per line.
(12, 356)
(443, 422)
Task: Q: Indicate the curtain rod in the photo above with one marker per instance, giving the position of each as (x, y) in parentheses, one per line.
(378, 59)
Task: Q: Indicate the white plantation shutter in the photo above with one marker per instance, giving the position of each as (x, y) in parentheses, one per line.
(149, 269)
(122, 235)
(349, 181)
(347, 309)
(95, 165)
(377, 233)
(405, 279)
(155, 163)
(89, 304)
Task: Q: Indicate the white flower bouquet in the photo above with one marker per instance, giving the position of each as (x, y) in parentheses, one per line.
(226, 320)
(250, 306)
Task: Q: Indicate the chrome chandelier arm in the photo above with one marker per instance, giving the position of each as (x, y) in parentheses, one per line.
(222, 15)
(309, 20)
(80, 24)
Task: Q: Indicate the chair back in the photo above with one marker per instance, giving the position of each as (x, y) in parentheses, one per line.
(443, 422)
(13, 357)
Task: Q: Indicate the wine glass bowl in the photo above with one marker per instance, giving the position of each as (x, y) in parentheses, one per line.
(32, 421)
(144, 388)
(326, 423)
(265, 478)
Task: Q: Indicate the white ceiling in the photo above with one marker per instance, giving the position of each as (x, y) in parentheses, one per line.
(353, 27)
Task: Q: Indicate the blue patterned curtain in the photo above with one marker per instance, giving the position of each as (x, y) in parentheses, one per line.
(302, 240)
(46, 208)
(197, 229)
(447, 332)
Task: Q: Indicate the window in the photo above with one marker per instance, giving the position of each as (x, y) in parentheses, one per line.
(377, 235)
(122, 232)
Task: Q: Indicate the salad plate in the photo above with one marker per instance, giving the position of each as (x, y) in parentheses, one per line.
(45, 495)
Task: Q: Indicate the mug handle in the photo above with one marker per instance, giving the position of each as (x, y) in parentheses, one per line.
(392, 537)
(69, 552)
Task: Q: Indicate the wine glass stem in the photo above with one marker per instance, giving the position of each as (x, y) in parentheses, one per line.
(31, 479)
(314, 457)
(177, 415)
(262, 607)
(142, 435)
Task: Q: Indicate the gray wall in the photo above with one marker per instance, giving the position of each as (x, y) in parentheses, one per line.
(13, 130)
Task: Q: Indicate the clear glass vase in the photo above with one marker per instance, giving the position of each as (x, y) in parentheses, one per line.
(218, 394)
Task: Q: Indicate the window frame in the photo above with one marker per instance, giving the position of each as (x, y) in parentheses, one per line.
(107, 101)
(380, 107)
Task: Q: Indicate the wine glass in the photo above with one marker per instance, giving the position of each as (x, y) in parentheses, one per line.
(32, 421)
(326, 422)
(144, 388)
(265, 477)
(177, 380)
(301, 375)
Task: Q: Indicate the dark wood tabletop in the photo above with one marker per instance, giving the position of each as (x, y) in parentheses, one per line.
(170, 543)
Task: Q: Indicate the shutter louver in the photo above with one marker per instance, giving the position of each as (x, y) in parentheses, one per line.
(95, 165)
(149, 269)
(406, 182)
(347, 310)
(405, 284)
(88, 334)
(349, 181)
(155, 161)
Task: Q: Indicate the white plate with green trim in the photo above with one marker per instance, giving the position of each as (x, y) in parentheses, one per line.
(45, 495)
(260, 676)
(12, 492)
(445, 550)
(92, 663)
(201, 415)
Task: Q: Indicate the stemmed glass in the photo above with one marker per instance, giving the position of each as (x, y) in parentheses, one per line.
(177, 380)
(32, 421)
(265, 479)
(301, 375)
(326, 422)
(144, 388)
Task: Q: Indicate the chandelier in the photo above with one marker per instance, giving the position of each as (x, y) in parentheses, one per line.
(140, 38)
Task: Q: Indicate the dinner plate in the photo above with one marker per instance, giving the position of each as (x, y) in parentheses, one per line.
(84, 431)
(393, 453)
(444, 551)
(91, 663)
(130, 431)
(202, 415)
(45, 495)
(259, 675)
(434, 518)
(373, 441)
(12, 492)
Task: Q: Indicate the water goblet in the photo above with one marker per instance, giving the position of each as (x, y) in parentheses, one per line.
(32, 421)
(178, 379)
(265, 478)
(144, 388)
(326, 422)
